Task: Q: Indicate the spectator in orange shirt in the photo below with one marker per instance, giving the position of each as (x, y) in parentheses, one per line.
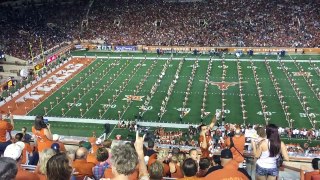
(80, 164)
(205, 136)
(14, 151)
(308, 175)
(175, 167)
(226, 156)
(5, 130)
(28, 155)
(237, 147)
(8, 168)
(190, 169)
(230, 168)
(43, 136)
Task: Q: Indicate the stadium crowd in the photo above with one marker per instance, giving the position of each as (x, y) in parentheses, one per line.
(148, 22)
(98, 159)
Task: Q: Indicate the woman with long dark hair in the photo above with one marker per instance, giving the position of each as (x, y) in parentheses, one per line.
(267, 151)
(42, 133)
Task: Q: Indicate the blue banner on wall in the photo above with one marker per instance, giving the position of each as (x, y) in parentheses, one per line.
(126, 48)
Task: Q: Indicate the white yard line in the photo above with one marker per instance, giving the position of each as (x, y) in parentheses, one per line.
(194, 58)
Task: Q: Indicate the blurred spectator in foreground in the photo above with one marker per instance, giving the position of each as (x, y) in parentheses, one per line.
(58, 167)
(8, 168)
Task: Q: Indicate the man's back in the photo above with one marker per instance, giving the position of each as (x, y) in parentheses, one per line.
(26, 175)
(229, 171)
(83, 167)
(238, 142)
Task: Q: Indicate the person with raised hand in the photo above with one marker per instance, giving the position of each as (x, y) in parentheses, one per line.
(205, 135)
(138, 145)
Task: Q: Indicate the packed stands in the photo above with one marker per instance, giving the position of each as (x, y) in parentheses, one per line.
(208, 23)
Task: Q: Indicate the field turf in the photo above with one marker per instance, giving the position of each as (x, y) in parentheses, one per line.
(233, 109)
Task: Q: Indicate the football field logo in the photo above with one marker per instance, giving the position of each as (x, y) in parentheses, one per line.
(301, 74)
(183, 111)
(133, 98)
(223, 85)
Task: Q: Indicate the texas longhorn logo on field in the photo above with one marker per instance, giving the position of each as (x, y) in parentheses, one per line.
(133, 98)
(223, 85)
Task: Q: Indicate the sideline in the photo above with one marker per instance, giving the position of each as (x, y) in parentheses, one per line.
(192, 59)
(104, 121)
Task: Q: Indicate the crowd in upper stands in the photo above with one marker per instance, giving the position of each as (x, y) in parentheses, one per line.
(148, 22)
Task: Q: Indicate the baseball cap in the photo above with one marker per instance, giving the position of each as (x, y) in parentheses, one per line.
(55, 137)
(175, 150)
(237, 131)
(226, 154)
(55, 147)
(14, 151)
(98, 141)
(86, 145)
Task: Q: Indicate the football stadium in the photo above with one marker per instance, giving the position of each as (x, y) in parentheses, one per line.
(109, 71)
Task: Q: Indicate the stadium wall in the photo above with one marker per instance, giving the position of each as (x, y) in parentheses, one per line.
(92, 45)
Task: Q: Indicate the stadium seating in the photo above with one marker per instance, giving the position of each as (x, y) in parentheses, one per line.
(208, 23)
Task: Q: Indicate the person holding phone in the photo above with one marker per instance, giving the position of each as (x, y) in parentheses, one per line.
(42, 133)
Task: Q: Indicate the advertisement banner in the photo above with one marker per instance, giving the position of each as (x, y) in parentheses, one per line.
(51, 59)
(78, 46)
(104, 47)
(126, 48)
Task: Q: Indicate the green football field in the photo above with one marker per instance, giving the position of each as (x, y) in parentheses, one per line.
(99, 88)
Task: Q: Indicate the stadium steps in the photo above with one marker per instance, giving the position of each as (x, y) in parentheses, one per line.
(14, 68)
(14, 60)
